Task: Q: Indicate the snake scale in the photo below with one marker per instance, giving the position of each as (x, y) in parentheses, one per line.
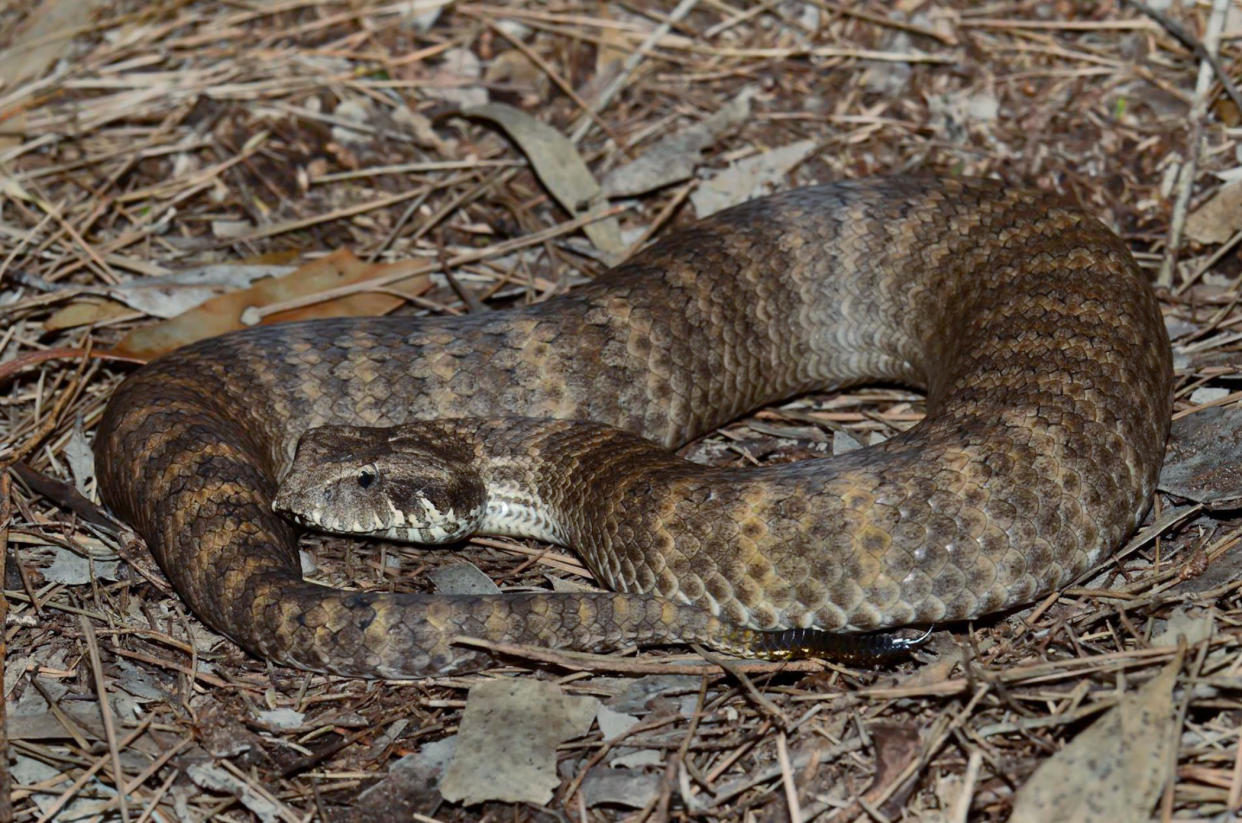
(1040, 346)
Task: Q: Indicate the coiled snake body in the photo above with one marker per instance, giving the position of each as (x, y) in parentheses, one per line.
(1041, 348)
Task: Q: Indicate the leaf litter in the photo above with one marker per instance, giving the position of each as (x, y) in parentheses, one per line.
(152, 160)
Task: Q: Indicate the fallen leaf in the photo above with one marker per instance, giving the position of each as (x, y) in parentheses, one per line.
(43, 38)
(215, 779)
(409, 788)
(560, 168)
(455, 80)
(281, 719)
(613, 724)
(177, 292)
(843, 441)
(1206, 394)
(29, 775)
(749, 178)
(361, 111)
(70, 569)
(49, 725)
(1224, 569)
(86, 311)
(638, 695)
(424, 13)
(1114, 770)
(506, 745)
(566, 584)
(230, 229)
(463, 578)
(516, 71)
(223, 313)
(81, 459)
(675, 158)
(613, 49)
(896, 746)
(1181, 625)
(139, 683)
(933, 673)
(1203, 462)
(620, 787)
(1219, 217)
(954, 114)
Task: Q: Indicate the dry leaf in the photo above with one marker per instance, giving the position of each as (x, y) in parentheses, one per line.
(424, 13)
(613, 724)
(71, 569)
(506, 746)
(361, 111)
(452, 83)
(43, 40)
(222, 314)
(620, 787)
(560, 168)
(169, 295)
(1194, 629)
(896, 746)
(216, 779)
(1114, 770)
(29, 773)
(1216, 220)
(749, 178)
(55, 726)
(1204, 457)
(85, 311)
(409, 787)
(463, 578)
(162, 295)
(515, 70)
(955, 115)
(674, 158)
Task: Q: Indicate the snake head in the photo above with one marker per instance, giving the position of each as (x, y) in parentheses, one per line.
(411, 483)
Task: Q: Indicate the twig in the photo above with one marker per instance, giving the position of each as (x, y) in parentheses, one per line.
(6, 779)
(1179, 33)
(26, 360)
(86, 775)
(401, 271)
(1234, 803)
(627, 68)
(760, 699)
(787, 779)
(881, 20)
(558, 81)
(1174, 733)
(51, 421)
(1198, 111)
(105, 710)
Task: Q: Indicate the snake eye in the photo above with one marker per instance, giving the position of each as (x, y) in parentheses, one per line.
(366, 478)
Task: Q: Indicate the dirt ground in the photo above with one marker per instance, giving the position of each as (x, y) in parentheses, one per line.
(219, 141)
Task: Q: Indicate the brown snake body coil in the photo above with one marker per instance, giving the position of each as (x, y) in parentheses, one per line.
(1041, 348)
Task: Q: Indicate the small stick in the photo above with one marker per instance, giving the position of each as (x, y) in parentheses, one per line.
(105, 710)
(412, 267)
(1198, 110)
(6, 513)
(631, 63)
(1179, 33)
(787, 779)
(881, 20)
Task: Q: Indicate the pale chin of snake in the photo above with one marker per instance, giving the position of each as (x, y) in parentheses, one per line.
(1040, 345)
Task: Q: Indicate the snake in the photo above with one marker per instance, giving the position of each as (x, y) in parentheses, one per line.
(1036, 338)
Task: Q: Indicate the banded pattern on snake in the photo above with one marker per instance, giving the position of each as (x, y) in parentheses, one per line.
(1040, 346)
